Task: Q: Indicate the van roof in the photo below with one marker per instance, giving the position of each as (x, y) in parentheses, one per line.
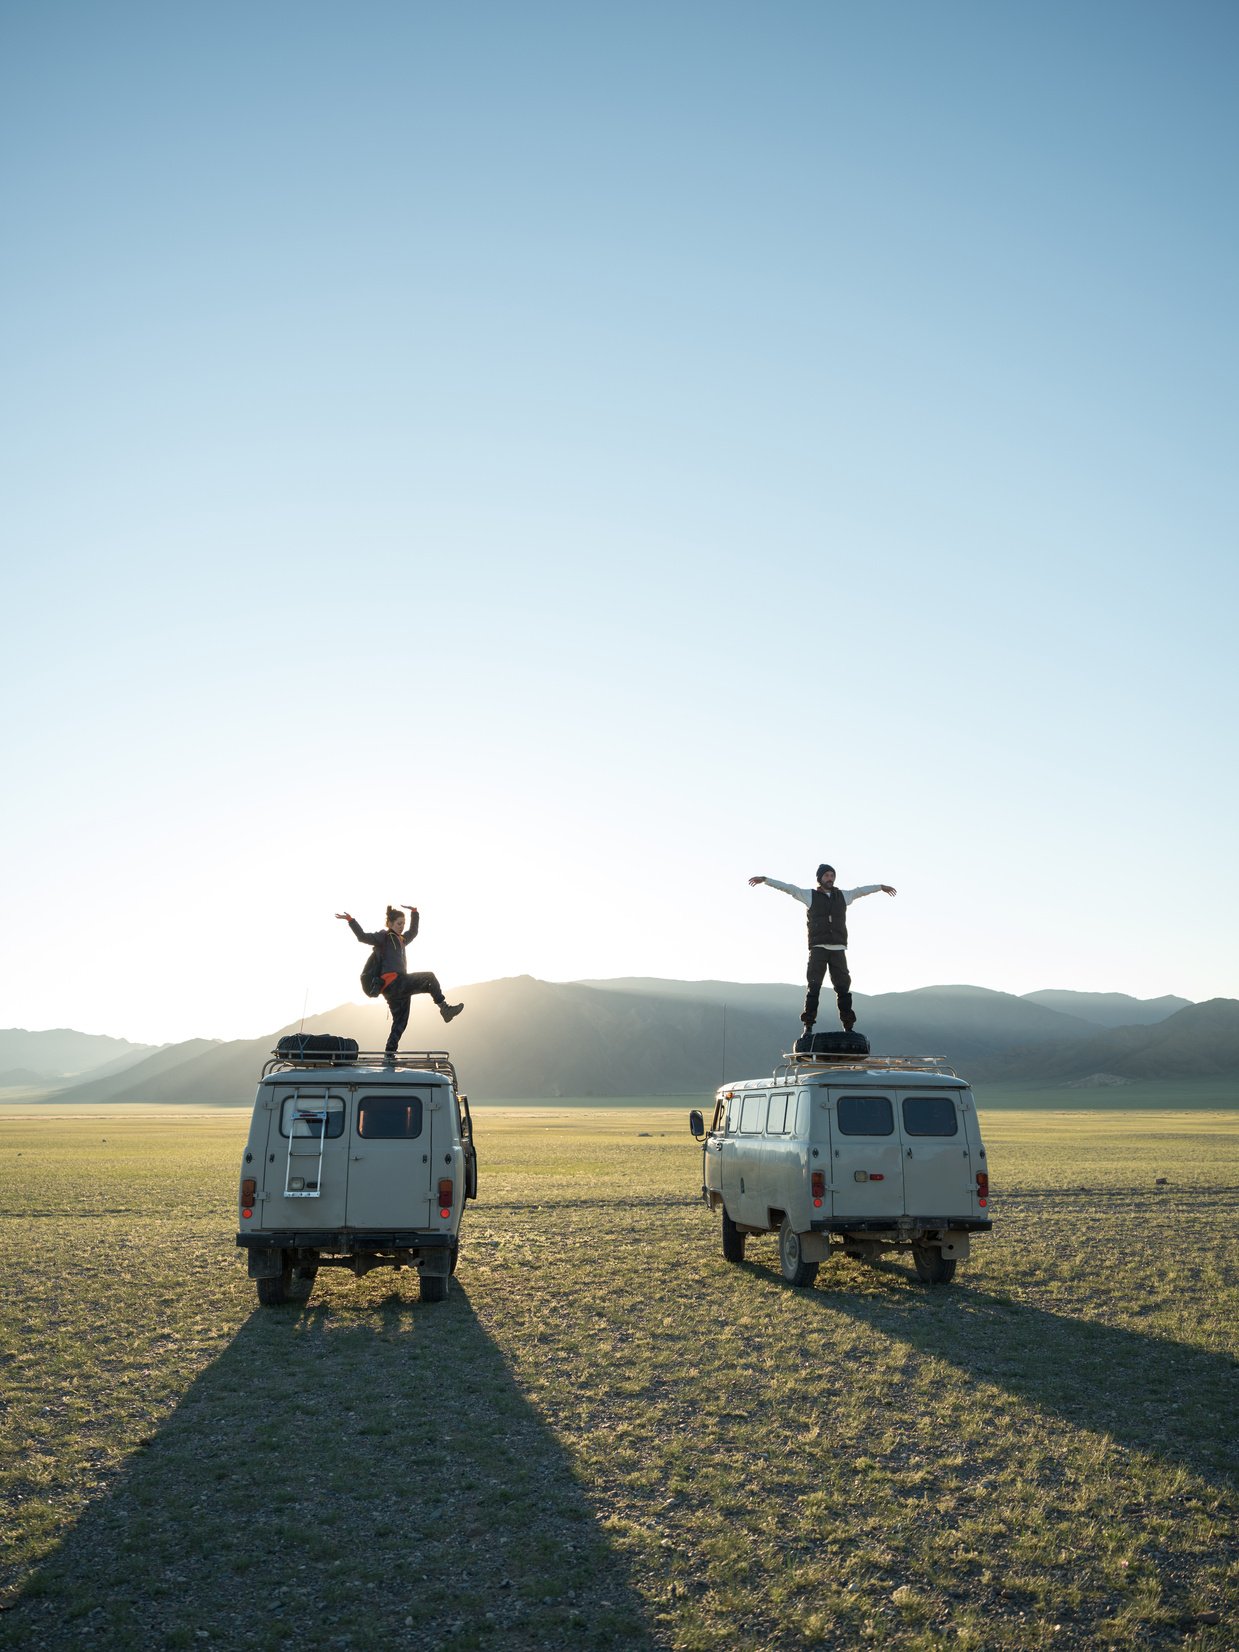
(336, 1075)
(880, 1076)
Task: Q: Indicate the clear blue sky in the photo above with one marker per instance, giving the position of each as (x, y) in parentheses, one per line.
(548, 462)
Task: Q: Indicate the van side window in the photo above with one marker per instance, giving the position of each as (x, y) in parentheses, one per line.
(930, 1116)
(389, 1118)
(752, 1115)
(733, 1115)
(776, 1118)
(303, 1116)
(866, 1116)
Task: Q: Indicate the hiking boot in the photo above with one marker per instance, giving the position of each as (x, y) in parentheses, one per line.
(848, 1017)
(450, 1011)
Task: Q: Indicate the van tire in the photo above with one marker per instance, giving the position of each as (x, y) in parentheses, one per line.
(733, 1239)
(932, 1268)
(791, 1258)
(435, 1286)
(274, 1291)
(303, 1282)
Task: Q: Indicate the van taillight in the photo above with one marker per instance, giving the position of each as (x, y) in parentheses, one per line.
(248, 1189)
(982, 1188)
(819, 1186)
(445, 1196)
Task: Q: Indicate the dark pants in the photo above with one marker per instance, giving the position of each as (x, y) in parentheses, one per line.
(402, 989)
(821, 960)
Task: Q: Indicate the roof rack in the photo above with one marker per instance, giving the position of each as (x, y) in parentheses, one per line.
(435, 1061)
(792, 1064)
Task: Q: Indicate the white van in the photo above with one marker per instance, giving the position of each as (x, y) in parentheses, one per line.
(355, 1162)
(859, 1156)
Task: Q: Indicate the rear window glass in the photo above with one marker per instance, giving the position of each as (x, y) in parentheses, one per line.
(306, 1115)
(389, 1118)
(930, 1116)
(776, 1119)
(753, 1115)
(865, 1116)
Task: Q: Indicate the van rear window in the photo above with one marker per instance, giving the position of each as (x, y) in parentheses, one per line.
(304, 1116)
(389, 1118)
(865, 1116)
(930, 1116)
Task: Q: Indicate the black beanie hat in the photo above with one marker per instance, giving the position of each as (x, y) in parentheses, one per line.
(824, 868)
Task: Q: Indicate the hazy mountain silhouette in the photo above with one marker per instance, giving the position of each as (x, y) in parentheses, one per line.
(1109, 1009)
(62, 1053)
(525, 1039)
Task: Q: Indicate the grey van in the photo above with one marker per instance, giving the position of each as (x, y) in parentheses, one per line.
(355, 1162)
(859, 1157)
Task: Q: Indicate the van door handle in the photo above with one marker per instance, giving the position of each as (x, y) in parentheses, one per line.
(357, 1156)
(909, 1152)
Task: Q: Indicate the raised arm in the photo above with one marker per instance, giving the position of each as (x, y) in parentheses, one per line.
(804, 896)
(851, 895)
(351, 921)
(414, 922)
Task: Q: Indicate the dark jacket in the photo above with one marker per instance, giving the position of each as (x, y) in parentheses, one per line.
(392, 945)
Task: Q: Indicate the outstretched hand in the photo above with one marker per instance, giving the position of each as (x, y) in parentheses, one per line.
(347, 916)
(887, 890)
(753, 881)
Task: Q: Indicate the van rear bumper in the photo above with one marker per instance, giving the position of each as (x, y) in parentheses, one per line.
(907, 1226)
(347, 1242)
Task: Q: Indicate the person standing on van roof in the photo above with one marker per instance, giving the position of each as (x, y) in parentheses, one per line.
(399, 987)
(828, 938)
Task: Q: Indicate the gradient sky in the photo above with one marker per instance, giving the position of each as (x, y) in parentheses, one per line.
(548, 462)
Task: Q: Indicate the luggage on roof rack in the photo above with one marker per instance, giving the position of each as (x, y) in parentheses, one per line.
(316, 1048)
(832, 1043)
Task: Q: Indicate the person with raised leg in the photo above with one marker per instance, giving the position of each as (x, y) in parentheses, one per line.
(398, 986)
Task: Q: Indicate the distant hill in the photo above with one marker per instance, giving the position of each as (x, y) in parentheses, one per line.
(46, 1057)
(1109, 1009)
(523, 1038)
(1201, 1041)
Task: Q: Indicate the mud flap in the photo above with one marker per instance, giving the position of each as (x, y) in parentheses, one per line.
(266, 1264)
(438, 1261)
(814, 1247)
(955, 1245)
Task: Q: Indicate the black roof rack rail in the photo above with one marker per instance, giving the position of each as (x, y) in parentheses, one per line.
(435, 1061)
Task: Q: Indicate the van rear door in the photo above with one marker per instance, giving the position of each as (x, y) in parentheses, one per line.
(392, 1158)
(937, 1164)
(307, 1157)
(865, 1161)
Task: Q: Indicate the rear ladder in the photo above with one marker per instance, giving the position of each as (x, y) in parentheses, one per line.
(306, 1152)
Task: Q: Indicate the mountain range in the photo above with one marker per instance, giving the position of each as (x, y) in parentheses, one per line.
(525, 1039)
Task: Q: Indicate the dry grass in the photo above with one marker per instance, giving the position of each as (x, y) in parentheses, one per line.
(607, 1436)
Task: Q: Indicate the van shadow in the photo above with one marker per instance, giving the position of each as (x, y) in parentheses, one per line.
(342, 1476)
(1164, 1398)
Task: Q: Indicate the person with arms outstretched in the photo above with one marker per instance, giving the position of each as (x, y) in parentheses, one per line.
(828, 939)
(399, 987)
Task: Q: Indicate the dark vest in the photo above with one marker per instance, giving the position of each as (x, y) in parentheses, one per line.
(828, 918)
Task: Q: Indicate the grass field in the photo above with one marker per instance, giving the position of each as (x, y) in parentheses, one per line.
(608, 1437)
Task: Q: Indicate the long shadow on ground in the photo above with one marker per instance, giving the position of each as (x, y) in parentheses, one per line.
(341, 1477)
(1165, 1398)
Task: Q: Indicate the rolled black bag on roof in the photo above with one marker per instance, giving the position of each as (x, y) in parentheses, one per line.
(832, 1043)
(309, 1046)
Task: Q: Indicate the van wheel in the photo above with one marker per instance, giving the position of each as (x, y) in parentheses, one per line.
(275, 1290)
(434, 1287)
(302, 1284)
(932, 1268)
(791, 1258)
(733, 1239)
